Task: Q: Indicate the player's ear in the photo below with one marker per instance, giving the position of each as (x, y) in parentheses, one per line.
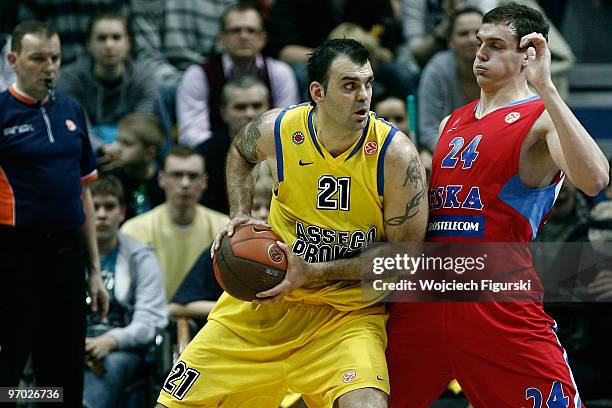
(11, 58)
(525, 51)
(525, 58)
(316, 91)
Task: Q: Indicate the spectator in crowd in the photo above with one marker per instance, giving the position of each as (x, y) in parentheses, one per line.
(171, 35)
(394, 110)
(588, 30)
(70, 18)
(374, 24)
(181, 231)
(47, 233)
(390, 77)
(106, 82)
(593, 362)
(141, 137)
(588, 323)
(561, 53)
(292, 40)
(132, 276)
(262, 193)
(426, 25)
(7, 75)
(569, 217)
(448, 80)
(8, 16)
(242, 99)
(600, 236)
(242, 37)
(568, 222)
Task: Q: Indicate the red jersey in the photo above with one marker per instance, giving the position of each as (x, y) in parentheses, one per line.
(503, 353)
(475, 193)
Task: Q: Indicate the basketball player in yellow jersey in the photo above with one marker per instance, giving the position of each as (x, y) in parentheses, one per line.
(343, 179)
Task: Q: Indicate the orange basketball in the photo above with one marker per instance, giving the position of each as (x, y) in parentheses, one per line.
(249, 262)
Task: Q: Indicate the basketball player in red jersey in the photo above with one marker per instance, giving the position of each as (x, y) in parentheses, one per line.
(497, 168)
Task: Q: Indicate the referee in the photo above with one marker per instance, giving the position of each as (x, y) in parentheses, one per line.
(47, 235)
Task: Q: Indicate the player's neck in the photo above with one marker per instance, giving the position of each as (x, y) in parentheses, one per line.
(335, 138)
(493, 99)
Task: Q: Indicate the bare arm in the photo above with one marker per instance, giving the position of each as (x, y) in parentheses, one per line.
(253, 144)
(97, 292)
(571, 147)
(404, 214)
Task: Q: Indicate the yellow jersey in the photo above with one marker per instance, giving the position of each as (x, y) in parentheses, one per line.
(327, 207)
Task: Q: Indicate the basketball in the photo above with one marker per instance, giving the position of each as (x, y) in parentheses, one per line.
(249, 262)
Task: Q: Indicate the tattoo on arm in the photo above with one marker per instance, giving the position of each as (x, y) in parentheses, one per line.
(413, 173)
(246, 141)
(413, 176)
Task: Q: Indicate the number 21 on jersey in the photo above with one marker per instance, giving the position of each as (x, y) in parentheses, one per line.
(328, 187)
(468, 154)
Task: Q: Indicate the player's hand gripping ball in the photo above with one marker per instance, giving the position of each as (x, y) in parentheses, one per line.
(249, 262)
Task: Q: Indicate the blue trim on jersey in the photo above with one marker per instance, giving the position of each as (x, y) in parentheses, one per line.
(472, 226)
(383, 120)
(577, 399)
(533, 204)
(361, 141)
(380, 166)
(531, 98)
(312, 133)
(279, 146)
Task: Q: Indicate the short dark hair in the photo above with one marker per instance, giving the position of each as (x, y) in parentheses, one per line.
(146, 127)
(453, 18)
(240, 7)
(30, 27)
(183, 152)
(108, 185)
(242, 82)
(322, 57)
(109, 14)
(522, 20)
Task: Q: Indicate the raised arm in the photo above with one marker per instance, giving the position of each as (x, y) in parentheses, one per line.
(571, 147)
(253, 144)
(404, 215)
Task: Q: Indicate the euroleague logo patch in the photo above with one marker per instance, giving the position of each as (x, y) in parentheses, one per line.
(512, 117)
(70, 125)
(370, 148)
(349, 376)
(298, 138)
(275, 253)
